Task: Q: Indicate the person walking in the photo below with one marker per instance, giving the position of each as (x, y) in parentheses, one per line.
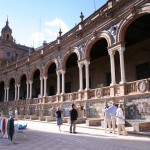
(107, 120)
(73, 118)
(120, 121)
(112, 111)
(59, 118)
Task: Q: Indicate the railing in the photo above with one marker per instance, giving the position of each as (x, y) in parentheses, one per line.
(34, 101)
(126, 89)
(139, 86)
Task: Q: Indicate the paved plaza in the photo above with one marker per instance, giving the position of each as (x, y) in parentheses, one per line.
(45, 136)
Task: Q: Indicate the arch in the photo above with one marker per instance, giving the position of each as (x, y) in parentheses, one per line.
(2, 85)
(68, 53)
(2, 81)
(125, 23)
(49, 64)
(104, 34)
(20, 77)
(12, 83)
(10, 80)
(32, 73)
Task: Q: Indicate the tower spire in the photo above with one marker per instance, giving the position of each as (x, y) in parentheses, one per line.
(7, 21)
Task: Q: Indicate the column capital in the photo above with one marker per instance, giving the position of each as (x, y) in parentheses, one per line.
(58, 72)
(30, 81)
(45, 77)
(41, 78)
(121, 49)
(111, 52)
(80, 64)
(86, 63)
(63, 71)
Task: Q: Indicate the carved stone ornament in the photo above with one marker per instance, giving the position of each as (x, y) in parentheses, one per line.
(142, 86)
(113, 30)
(98, 93)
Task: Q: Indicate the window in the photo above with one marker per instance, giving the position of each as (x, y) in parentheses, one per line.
(51, 90)
(68, 87)
(143, 71)
(8, 54)
(7, 37)
(108, 79)
(17, 55)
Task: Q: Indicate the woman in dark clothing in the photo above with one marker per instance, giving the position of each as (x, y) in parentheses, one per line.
(73, 118)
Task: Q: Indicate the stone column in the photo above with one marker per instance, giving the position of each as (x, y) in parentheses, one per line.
(41, 86)
(7, 94)
(122, 68)
(30, 82)
(45, 86)
(112, 63)
(63, 81)
(58, 82)
(87, 75)
(18, 92)
(80, 65)
(15, 92)
(27, 90)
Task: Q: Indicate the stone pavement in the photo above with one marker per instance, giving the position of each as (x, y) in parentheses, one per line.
(45, 136)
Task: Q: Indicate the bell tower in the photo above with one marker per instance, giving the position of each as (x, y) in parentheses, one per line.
(6, 33)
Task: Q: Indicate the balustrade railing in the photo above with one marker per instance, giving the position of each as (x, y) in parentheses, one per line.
(129, 88)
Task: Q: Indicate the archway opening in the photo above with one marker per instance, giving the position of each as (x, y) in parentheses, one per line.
(2, 91)
(23, 87)
(72, 74)
(137, 51)
(99, 68)
(11, 90)
(52, 80)
(36, 84)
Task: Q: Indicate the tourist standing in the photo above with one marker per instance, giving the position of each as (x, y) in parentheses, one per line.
(11, 129)
(112, 111)
(73, 118)
(107, 120)
(59, 118)
(120, 120)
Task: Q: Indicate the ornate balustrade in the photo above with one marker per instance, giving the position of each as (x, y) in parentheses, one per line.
(35, 105)
(139, 86)
(34, 101)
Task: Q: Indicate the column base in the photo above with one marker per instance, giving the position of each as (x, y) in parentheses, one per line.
(112, 84)
(80, 90)
(122, 82)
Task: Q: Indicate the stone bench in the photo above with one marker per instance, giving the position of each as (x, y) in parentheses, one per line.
(42, 118)
(93, 121)
(34, 117)
(27, 117)
(78, 121)
(141, 126)
(50, 118)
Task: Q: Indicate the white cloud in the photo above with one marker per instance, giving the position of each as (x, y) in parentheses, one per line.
(50, 31)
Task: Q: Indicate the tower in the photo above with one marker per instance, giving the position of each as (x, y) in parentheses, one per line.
(6, 33)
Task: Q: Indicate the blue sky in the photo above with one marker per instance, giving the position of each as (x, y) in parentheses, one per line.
(33, 21)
